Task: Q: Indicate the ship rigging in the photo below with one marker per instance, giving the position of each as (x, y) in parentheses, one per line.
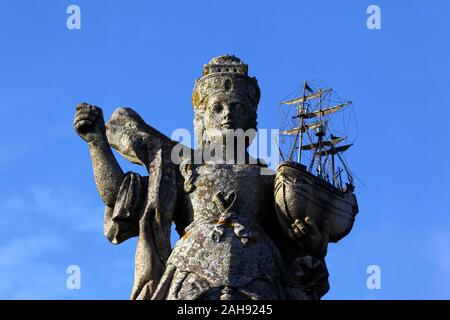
(309, 132)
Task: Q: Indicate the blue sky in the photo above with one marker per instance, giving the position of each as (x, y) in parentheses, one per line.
(146, 55)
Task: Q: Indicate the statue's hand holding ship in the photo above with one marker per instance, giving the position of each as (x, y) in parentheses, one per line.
(309, 180)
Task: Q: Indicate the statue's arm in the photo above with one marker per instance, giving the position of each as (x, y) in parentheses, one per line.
(107, 172)
(90, 126)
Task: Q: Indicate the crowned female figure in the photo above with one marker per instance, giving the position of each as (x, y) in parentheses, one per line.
(220, 199)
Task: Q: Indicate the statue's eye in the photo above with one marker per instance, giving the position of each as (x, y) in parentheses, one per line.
(237, 106)
(217, 108)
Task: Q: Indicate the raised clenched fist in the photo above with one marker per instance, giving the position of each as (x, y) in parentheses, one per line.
(89, 123)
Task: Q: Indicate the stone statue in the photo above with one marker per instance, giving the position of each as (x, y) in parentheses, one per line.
(231, 244)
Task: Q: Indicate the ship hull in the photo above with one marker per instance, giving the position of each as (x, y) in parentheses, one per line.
(299, 194)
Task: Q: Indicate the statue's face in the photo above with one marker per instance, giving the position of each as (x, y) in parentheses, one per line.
(229, 111)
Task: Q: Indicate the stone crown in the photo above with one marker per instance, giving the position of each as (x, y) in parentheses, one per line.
(225, 74)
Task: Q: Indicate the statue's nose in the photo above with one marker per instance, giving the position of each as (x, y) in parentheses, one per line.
(227, 114)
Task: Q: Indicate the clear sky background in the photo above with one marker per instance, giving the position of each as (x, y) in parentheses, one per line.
(146, 55)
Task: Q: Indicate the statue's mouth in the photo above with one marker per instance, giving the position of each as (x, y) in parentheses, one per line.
(228, 125)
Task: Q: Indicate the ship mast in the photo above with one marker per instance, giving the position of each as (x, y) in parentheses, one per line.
(300, 111)
(320, 133)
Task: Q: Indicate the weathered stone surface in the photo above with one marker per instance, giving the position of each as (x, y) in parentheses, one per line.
(232, 245)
